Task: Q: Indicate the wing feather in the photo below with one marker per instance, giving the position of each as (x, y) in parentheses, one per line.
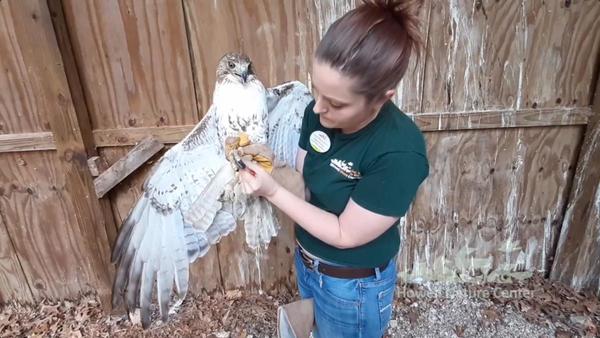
(147, 285)
(203, 210)
(286, 103)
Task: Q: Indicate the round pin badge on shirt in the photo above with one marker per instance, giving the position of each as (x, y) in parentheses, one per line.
(319, 141)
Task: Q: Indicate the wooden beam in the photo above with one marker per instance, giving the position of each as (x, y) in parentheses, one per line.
(130, 136)
(427, 122)
(63, 37)
(577, 259)
(126, 165)
(498, 119)
(26, 142)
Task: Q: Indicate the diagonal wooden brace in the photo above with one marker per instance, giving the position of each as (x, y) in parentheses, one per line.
(127, 164)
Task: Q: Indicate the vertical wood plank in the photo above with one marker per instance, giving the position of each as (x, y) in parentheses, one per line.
(563, 38)
(329, 11)
(13, 282)
(519, 54)
(79, 101)
(474, 55)
(19, 106)
(71, 151)
(134, 62)
(75, 224)
(577, 255)
(492, 203)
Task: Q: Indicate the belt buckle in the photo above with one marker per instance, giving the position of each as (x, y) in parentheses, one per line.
(307, 260)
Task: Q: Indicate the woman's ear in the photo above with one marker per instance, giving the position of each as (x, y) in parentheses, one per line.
(389, 94)
(383, 99)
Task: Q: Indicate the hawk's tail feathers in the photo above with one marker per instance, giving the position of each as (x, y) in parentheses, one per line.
(151, 245)
(260, 222)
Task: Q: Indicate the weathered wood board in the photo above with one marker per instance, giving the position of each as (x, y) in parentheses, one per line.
(56, 255)
(563, 45)
(16, 142)
(510, 54)
(13, 282)
(56, 228)
(124, 166)
(134, 62)
(493, 203)
(578, 253)
(19, 104)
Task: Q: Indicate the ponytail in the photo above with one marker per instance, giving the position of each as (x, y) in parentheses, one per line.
(373, 44)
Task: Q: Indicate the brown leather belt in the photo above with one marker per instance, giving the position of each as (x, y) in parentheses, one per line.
(339, 271)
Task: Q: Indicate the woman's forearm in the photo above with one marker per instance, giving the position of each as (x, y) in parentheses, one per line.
(317, 222)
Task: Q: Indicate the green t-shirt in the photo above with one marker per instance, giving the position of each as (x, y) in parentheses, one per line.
(379, 166)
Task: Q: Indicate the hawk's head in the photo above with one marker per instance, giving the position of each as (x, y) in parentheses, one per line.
(235, 67)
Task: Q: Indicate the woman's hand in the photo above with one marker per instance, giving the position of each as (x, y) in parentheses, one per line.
(260, 184)
(258, 150)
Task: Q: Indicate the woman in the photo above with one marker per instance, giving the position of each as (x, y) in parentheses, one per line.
(362, 161)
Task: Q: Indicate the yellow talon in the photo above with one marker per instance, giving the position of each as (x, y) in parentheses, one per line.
(244, 139)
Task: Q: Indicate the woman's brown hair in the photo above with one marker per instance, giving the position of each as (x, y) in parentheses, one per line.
(373, 43)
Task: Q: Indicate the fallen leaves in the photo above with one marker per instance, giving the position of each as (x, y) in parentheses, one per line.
(491, 314)
(64, 318)
(534, 307)
(235, 313)
(468, 310)
(459, 330)
(550, 303)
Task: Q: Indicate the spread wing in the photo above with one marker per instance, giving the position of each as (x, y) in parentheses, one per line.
(154, 242)
(180, 214)
(286, 104)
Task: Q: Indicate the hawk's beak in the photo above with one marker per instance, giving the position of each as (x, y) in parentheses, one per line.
(244, 76)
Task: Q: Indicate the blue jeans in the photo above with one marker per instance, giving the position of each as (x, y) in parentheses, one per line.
(348, 308)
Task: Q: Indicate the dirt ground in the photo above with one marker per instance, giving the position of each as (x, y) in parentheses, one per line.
(531, 308)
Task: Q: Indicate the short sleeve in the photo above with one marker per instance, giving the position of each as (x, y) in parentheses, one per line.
(307, 126)
(390, 183)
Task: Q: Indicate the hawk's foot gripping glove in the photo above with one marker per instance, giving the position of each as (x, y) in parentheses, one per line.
(260, 153)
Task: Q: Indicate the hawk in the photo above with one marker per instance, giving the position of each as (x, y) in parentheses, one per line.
(193, 197)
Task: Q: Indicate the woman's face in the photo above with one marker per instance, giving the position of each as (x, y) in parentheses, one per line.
(335, 102)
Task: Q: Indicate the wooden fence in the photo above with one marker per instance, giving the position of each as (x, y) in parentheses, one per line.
(504, 93)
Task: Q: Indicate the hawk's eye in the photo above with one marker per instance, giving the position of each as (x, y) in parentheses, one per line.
(250, 69)
(231, 65)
